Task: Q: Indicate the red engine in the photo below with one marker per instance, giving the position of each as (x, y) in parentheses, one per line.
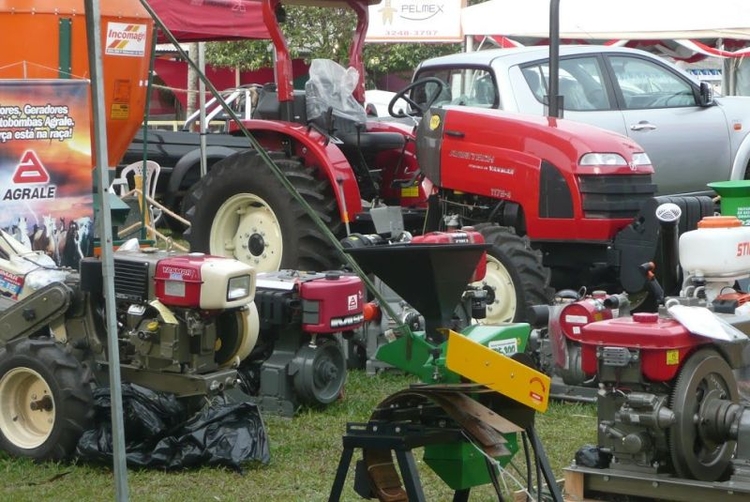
(466, 235)
(657, 345)
(329, 302)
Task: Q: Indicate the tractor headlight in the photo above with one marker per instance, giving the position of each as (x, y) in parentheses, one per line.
(603, 159)
(239, 287)
(641, 159)
(614, 160)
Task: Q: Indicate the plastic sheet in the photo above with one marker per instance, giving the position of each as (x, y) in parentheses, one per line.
(158, 433)
(331, 86)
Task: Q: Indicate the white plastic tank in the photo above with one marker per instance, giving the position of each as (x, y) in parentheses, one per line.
(719, 247)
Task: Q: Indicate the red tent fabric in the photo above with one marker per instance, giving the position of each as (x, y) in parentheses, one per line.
(210, 20)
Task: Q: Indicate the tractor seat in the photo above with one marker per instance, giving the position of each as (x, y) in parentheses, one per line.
(373, 142)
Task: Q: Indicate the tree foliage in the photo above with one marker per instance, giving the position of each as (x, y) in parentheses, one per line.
(315, 32)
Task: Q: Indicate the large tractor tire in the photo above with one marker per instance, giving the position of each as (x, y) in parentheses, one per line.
(516, 278)
(240, 210)
(45, 400)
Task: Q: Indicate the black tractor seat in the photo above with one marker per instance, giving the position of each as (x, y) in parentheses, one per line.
(373, 142)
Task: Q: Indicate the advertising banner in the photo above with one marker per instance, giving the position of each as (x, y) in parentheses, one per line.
(416, 21)
(46, 199)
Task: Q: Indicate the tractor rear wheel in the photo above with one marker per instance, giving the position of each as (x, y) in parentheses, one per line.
(45, 400)
(516, 278)
(240, 210)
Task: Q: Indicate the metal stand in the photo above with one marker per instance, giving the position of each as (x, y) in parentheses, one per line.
(401, 440)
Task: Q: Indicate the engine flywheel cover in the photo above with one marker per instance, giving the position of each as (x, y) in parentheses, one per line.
(705, 377)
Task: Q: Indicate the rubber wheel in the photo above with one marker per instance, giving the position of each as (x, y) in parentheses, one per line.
(695, 455)
(45, 400)
(515, 276)
(321, 373)
(240, 210)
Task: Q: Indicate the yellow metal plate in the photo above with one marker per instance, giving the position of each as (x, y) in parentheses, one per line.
(497, 372)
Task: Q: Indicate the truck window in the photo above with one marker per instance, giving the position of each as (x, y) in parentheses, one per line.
(646, 85)
(581, 83)
(468, 86)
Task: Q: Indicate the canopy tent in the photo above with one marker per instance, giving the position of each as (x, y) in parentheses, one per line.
(211, 20)
(683, 28)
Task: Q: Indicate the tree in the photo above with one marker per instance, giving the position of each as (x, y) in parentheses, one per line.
(330, 39)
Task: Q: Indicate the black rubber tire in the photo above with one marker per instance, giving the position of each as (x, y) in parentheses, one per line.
(69, 384)
(304, 245)
(530, 279)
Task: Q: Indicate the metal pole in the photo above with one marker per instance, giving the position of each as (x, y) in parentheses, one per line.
(202, 106)
(93, 35)
(554, 59)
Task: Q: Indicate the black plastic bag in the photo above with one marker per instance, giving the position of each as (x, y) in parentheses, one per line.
(158, 433)
(593, 456)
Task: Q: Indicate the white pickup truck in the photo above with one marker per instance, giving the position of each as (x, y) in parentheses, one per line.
(691, 137)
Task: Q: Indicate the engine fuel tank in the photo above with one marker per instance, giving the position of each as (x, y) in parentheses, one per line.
(719, 247)
(661, 344)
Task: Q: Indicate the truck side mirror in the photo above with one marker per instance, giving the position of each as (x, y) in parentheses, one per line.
(706, 95)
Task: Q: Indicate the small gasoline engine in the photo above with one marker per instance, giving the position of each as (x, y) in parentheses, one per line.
(191, 315)
(299, 359)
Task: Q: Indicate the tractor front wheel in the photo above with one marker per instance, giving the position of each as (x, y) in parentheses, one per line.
(515, 279)
(241, 210)
(45, 400)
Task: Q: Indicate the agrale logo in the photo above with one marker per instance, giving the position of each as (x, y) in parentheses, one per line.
(30, 171)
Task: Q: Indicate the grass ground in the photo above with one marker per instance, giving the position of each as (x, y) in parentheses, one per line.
(305, 451)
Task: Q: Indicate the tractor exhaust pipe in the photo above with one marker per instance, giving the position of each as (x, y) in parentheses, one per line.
(669, 215)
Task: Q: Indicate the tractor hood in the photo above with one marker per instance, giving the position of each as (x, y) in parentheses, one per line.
(485, 137)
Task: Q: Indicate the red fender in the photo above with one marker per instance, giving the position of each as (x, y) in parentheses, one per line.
(317, 151)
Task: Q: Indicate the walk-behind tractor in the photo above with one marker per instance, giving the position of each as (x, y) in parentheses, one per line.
(479, 391)
(671, 421)
(547, 194)
(186, 323)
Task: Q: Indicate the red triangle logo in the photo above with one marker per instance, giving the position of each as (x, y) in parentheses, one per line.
(30, 169)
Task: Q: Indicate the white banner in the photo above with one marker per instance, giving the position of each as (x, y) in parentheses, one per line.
(416, 21)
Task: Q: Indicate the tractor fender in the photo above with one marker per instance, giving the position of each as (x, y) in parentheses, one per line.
(193, 159)
(317, 150)
(741, 163)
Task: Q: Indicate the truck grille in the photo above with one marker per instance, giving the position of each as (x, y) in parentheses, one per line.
(131, 280)
(614, 196)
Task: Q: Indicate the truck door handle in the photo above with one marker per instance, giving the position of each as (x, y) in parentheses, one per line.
(455, 134)
(643, 125)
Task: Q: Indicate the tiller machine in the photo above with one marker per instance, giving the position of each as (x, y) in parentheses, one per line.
(479, 390)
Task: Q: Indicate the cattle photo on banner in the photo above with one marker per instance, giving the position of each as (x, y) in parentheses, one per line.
(45, 167)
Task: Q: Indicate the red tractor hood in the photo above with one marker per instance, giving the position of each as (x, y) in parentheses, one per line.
(535, 162)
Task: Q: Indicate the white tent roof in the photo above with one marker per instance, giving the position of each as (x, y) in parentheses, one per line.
(612, 19)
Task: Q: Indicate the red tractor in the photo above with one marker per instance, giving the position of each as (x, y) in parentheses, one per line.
(547, 194)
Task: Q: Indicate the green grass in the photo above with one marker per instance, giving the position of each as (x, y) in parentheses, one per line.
(305, 452)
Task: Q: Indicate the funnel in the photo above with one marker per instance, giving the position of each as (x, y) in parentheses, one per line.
(735, 198)
(429, 277)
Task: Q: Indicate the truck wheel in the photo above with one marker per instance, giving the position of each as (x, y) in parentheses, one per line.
(45, 400)
(515, 276)
(240, 210)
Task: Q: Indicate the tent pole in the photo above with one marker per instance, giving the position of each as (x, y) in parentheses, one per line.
(93, 36)
(553, 98)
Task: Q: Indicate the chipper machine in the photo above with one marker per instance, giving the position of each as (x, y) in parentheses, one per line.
(479, 391)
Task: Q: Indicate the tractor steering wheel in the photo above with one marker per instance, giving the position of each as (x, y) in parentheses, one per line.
(417, 108)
